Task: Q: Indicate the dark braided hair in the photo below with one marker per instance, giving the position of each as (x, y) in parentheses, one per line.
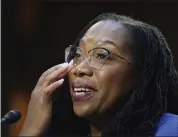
(155, 82)
(155, 77)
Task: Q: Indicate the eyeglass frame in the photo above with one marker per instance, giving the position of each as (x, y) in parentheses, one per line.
(109, 54)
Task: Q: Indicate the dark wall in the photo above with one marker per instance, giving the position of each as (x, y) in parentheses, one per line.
(35, 34)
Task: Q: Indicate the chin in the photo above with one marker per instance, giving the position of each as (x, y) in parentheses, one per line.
(82, 111)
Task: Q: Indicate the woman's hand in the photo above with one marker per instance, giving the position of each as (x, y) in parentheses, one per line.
(40, 105)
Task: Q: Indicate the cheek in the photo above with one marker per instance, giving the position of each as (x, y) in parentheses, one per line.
(115, 77)
(113, 83)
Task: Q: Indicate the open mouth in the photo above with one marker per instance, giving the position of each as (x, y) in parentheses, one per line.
(81, 91)
(79, 94)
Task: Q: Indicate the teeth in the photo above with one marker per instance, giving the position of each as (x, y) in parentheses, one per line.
(79, 93)
(81, 89)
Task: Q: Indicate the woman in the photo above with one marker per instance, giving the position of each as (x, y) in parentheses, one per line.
(121, 79)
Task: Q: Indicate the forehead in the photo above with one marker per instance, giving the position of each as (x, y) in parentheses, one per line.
(106, 30)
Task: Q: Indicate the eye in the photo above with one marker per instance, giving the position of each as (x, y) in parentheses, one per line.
(78, 53)
(101, 56)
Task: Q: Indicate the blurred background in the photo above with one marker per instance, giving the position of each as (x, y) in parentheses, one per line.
(36, 32)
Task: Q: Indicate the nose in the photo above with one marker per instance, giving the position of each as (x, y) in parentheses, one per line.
(83, 69)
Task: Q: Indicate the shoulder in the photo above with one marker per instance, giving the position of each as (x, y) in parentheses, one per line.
(167, 125)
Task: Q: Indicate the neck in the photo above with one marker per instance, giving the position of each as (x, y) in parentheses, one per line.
(95, 132)
(99, 123)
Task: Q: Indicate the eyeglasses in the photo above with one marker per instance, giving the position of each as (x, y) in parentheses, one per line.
(96, 57)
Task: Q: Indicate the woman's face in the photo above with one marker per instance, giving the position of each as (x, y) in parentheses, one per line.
(95, 91)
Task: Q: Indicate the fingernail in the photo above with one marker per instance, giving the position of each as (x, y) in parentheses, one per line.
(61, 80)
(71, 62)
(64, 65)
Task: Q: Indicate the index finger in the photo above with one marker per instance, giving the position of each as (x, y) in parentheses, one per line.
(50, 70)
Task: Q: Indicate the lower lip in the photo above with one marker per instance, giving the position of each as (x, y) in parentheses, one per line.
(80, 97)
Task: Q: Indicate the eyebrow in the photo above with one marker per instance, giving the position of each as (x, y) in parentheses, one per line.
(100, 42)
(106, 41)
